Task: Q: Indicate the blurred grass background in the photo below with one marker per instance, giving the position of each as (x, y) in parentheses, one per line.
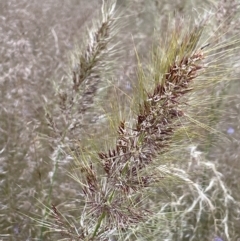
(36, 39)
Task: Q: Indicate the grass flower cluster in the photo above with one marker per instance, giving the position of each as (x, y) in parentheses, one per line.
(122, 164)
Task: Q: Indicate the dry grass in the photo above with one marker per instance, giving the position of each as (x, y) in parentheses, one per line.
(124, 141)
